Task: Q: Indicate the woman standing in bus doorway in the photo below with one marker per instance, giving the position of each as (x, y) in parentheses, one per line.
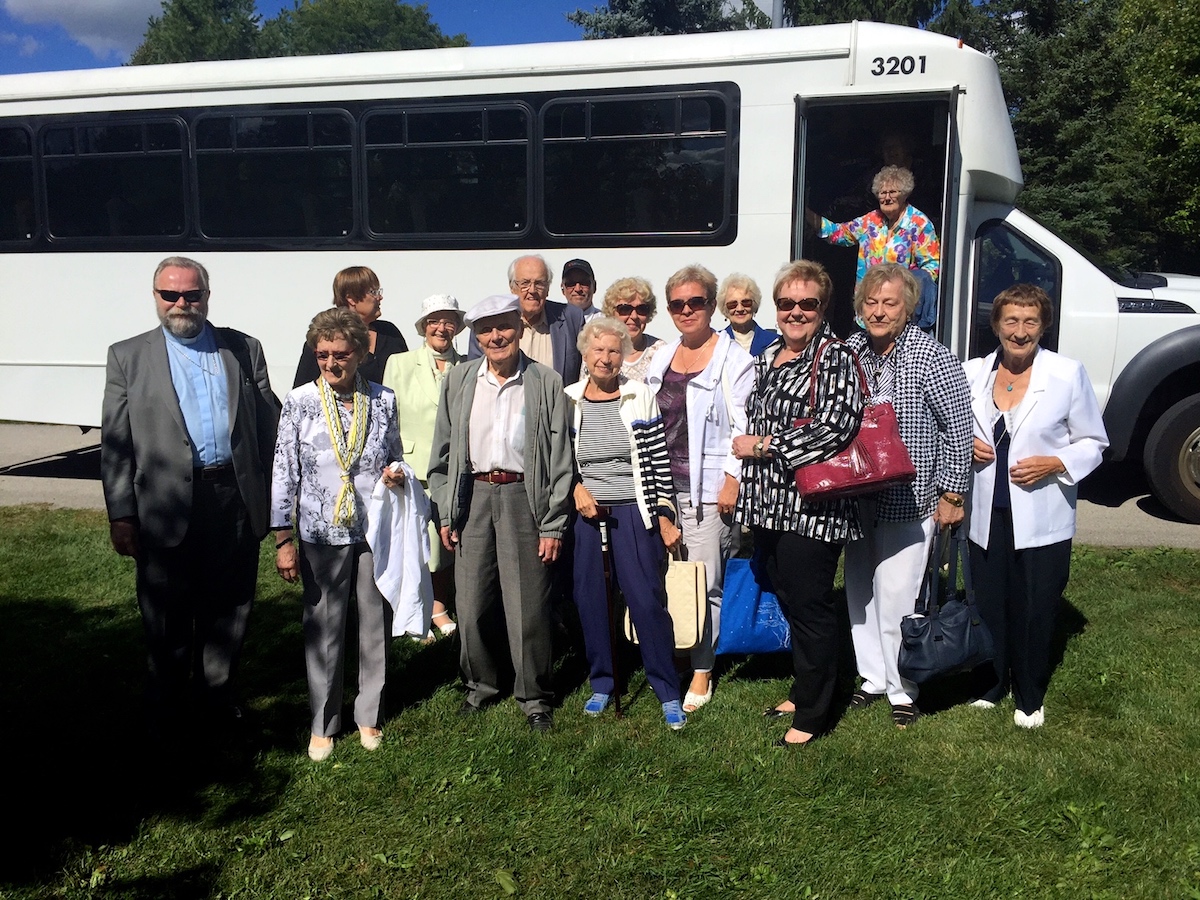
(738, 301)
(416, 379)
(1038, 432)
(884, 568)
(632, 301)
(357, 289)
(893, 233)
(702, 380)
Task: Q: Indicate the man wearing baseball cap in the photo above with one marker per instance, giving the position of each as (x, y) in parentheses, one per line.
(579, 286)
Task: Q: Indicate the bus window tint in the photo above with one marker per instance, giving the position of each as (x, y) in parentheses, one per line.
(115, 181)
(1004, 258)
(275, 176)
(662, 166)
(447, 171)
(16, 185)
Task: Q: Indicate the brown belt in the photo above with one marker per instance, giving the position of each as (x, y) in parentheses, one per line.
(496, 476)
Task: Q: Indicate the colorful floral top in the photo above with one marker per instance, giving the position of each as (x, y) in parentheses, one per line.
(911, 242)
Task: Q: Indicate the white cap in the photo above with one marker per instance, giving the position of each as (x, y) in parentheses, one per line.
(438, 303)
(495, 305)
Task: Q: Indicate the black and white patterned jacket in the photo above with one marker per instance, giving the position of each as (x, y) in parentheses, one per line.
(933, 406)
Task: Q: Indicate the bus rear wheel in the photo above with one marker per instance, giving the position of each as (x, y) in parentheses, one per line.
(1172, 458)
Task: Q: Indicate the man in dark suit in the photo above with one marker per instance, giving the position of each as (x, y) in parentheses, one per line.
(551, 330)
(187, 440)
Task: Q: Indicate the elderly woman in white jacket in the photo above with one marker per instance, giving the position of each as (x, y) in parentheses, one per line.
(702, 381)
(1038, 432)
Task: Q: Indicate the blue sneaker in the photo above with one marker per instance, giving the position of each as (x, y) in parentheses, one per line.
(596, 704)
(673, 713)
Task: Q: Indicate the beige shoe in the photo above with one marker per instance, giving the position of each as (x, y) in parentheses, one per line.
(371, 738)
(692, 702)
(320, 752)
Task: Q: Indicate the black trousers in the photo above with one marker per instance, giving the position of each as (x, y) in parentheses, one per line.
(195, 600)
(1018, 593)
(801, 571)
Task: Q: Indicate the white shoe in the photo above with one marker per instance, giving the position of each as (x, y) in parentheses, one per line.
(318, 753)
(692, 702)
(1035, 719)
(983, 704)
(370, 741)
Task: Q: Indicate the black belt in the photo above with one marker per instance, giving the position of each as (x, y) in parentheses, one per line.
(497, 476)
(214, 473)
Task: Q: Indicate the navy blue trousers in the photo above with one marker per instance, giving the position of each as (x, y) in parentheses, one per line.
(637, 556)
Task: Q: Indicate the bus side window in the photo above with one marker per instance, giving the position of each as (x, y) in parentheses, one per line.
(16, 185)
(1003, 258)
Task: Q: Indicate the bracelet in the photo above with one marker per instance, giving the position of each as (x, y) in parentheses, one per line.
(956, 501)
(758, 449)
(282, 543)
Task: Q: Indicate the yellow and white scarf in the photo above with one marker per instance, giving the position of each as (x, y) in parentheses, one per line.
(346, 448)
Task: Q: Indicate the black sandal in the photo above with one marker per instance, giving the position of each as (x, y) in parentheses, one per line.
(860, 699)
(904, 714)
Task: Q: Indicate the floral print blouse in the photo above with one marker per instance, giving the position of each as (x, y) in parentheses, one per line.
(911, 242)
(306, 478)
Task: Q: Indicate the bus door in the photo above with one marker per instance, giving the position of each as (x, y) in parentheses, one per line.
(840, 146)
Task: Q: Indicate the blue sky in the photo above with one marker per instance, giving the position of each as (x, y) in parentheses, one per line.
(43, 35)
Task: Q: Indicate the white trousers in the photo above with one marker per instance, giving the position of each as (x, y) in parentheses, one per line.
(706, 539)
(884, 571)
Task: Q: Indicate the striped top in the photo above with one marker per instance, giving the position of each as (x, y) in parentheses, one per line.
(603, 452)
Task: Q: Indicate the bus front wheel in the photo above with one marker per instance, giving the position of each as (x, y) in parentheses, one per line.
(1172, 458)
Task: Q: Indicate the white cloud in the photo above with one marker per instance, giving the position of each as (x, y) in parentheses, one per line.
(106, 27)
(26, 45)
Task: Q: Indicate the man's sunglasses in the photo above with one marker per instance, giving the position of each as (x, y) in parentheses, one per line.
(695, 304)
(188, 296)
(787, 304)
(626, 309)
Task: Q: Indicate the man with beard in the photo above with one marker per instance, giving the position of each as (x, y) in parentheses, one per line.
(187, 439)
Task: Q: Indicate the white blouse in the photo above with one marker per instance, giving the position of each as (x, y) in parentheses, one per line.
(306, 477)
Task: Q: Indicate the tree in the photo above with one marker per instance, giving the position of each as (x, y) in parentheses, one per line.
(634, 18)
(191, 30)
(1165, 92)
(895, 12)
(353, 26)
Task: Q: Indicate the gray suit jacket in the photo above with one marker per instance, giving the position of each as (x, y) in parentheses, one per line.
(145, 450)
(565, 321)
(549, 455)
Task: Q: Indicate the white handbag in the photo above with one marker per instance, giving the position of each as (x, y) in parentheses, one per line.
(687, 603)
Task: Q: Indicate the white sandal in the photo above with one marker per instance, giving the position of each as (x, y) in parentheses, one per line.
(692, 702)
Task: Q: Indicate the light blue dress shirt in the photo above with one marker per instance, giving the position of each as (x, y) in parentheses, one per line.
(198, 374)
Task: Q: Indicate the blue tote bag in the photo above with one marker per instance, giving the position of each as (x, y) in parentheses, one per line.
(751, 620)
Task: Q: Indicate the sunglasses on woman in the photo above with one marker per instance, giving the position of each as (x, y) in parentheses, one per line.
(695, 304)
(626, 309)
(787, 304)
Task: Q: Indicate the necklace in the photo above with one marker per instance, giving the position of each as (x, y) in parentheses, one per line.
(182, 354)
(695, 354)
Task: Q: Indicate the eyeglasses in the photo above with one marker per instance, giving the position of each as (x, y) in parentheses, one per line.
(883, 194)
(747, 302)
(695, 304)
(325, 355)
(375, 292)
(188, 296)
(528, 284)
(787, 304)
(628, 309)
(572, 282)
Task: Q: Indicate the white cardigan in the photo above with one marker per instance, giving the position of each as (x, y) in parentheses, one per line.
(1058, 417)
(714, 417)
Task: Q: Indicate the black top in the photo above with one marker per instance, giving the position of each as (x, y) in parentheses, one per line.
(388, 340)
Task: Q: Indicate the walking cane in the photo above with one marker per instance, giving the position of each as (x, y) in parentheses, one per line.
(602, 513)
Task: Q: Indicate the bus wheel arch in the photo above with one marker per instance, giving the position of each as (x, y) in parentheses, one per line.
(1171, 458)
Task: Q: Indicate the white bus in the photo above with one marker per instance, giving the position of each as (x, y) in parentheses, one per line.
(437, 167)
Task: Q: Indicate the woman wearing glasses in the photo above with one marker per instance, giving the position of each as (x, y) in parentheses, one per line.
(702, 380)
(338, 436)
(800, 540)
(738, 301)
(894, 233)
(632, 301)
(357, 289)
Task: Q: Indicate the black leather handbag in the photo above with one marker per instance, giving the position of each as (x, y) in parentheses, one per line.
(944, 634)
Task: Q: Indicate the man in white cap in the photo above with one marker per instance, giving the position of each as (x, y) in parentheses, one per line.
(551, 330)
(500, 475)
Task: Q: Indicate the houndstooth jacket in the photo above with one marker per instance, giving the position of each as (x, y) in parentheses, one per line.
(933, 407)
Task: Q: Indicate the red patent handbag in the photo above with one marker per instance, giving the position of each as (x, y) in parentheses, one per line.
(876, 458)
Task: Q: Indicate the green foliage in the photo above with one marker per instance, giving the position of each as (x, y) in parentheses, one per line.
(1165, 94)
(895, 12)
(352, 26)
(190, 30)
(1103, 802)
(634, 18)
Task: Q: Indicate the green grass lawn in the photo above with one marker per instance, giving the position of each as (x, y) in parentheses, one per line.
(1102, 802)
